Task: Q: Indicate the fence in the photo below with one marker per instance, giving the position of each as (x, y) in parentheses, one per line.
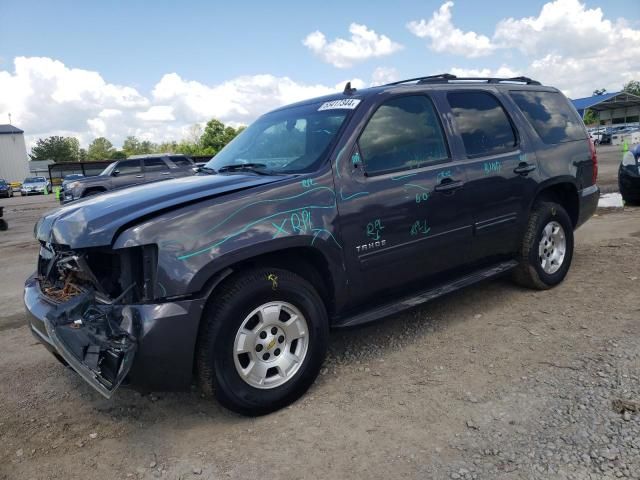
(57, 171)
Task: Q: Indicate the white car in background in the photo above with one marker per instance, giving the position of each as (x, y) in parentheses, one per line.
(35, 185)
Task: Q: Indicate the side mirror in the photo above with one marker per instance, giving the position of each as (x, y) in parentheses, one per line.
(115, 173)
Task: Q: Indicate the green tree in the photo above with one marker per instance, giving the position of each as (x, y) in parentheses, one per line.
(632, 87)
(56, 148)
(147, 147)
(100, 149)
(590, 117)
(74, 149)
(215, 136)
(82, 155)
(171, 146)
(134, 146)
(131, 145)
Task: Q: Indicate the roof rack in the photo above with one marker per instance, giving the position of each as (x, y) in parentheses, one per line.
(447, 78)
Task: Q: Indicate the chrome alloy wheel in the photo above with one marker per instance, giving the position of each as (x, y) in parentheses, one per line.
(271, 345)
(552, 247)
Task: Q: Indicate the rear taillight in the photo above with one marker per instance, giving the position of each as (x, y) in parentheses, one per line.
(594, 160)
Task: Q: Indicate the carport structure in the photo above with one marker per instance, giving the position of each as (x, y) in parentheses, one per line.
(612, 108)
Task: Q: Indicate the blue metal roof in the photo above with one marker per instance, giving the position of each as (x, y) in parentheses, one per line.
(587, 102)
(8, 129)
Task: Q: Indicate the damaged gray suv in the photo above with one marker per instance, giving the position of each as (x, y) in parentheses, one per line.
(332, 212)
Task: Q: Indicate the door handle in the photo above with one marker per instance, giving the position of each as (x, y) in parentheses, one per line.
(448, 185)
(524, 169)
(138, 176)
(166, 173)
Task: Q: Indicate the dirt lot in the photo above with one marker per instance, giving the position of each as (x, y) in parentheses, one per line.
(494, 382)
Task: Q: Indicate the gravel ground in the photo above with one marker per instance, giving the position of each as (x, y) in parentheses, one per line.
(494, 382)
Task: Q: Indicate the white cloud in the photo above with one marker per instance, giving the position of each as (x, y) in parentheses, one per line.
(565, 26)
(365, 43)
(45, 97)
(384, 75)
(502, 72)
(157, 113)
(446, 38)
(574, 48)
(569, 46)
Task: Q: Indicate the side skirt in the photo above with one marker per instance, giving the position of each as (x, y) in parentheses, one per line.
(405, 303)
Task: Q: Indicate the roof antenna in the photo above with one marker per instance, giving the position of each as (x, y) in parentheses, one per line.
(348, 90)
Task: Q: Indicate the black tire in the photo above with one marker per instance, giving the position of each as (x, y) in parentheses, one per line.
(529, 272)
(628, 198)
(230, 304)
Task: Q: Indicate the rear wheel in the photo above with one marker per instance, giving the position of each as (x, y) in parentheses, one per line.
(263, 340)
(546, 249)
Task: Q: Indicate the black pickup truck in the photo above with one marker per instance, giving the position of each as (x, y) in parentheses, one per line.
(332, 212)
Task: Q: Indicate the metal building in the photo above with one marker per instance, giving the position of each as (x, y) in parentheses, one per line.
(612, 108)
(14, 165)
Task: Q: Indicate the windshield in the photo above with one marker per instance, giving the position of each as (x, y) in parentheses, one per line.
(109, 169)
(294, 140)
(34, 180)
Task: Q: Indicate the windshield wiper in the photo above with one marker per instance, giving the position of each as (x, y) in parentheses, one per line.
(250, 167)
(207, 170)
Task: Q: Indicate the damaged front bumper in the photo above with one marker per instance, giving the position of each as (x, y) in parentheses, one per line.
(150, 344)
(97, 340)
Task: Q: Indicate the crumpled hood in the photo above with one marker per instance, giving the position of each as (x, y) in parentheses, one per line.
(94, 221)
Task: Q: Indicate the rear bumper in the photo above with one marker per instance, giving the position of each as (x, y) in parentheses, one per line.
(588, 198)
(166, 338)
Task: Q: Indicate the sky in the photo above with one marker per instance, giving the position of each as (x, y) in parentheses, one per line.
(153, 69)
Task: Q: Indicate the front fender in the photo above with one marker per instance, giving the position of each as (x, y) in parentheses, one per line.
(199, 239)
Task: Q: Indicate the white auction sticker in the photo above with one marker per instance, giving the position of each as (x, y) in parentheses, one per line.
(348, 103)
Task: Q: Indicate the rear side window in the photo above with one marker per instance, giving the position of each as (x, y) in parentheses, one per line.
(181, 161)
(126, 167)
(403, 133)
(155, 165)
(482, 122)
(551, 116)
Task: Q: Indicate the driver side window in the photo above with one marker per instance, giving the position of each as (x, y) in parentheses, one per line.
(129, 167)
(403, 133)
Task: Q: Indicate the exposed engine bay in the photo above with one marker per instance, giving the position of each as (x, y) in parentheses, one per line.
(93, 324)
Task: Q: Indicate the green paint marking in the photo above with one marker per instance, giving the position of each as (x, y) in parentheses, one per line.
(318, 231)
(280, 229)
(338, 157)
(374, 229)
(353, 195)
(402, 177)
(416, 186)
(420, 226)
(274, 200)
(248, 226)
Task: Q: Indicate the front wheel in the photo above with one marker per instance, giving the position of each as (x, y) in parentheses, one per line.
(263, 340)
(546, 249)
